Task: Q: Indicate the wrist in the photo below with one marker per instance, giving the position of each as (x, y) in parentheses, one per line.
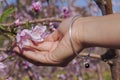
(77, 35)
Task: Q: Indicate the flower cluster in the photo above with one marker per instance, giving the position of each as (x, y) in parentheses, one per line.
(36, 34)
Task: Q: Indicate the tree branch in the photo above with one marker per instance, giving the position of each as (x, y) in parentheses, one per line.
(105, 6)
(92, 55)
(108, 7)
(35, 21)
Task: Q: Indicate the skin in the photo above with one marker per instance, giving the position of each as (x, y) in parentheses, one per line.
(86, 32)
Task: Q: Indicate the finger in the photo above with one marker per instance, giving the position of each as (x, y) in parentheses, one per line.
(41, 57)
(36, 56)
(63, 27)
(20, 50)
(47, 46)
(54, 46)
(16, 49)
(14, 44)
(56, 35)
(44, 46)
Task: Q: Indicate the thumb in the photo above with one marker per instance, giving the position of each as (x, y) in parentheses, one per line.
(64, 26)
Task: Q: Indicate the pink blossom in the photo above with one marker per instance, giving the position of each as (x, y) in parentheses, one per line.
(36, 6)
(2, 66)
(22, 38)
(52, 26)
(37, 33)
(10, 78)
(65, 12)
(17, 22)
(25, 65)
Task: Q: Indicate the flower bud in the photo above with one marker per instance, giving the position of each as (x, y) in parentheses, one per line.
(65, 12)
(36, 6)
(17, 22)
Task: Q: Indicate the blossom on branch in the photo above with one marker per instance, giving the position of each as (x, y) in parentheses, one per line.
(65, 12)
(37, 6)
(17, 22)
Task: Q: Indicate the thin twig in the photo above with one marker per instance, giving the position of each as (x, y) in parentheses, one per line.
(35, 21)
(3, 49)
(92, 55)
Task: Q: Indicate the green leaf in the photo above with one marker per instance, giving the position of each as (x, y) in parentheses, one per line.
(6, 13)
(27, 25)
(9, 32)
(13, 30)
(2, 27)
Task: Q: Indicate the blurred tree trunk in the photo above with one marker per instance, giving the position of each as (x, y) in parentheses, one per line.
(106, 8)
(115, 66)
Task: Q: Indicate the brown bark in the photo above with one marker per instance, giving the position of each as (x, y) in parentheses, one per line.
(115, 66)
(108, 7)
(101, 5)
(105, 6)
(112, 57)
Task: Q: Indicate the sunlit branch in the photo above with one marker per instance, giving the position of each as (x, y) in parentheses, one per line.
(35, 21)
(92, 55)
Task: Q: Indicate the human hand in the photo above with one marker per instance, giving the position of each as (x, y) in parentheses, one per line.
(56, 49)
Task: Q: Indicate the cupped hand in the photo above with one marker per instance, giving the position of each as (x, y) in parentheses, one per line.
(55, 50)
